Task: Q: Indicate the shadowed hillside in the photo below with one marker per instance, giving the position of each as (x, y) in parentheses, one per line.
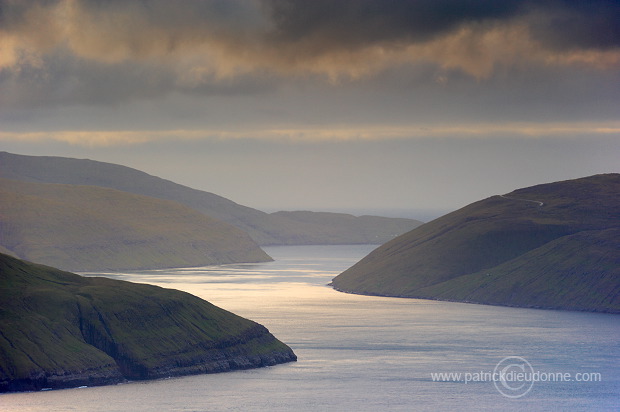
(58, 329)
(264, 228)
(84, 228)
(554, 245)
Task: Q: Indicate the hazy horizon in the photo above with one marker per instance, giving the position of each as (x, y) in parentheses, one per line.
(342, 106)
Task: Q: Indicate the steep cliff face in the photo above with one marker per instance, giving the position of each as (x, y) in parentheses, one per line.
(58, 329)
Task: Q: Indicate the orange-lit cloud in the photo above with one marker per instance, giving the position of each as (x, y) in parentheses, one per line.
(206, 41)
(300, 69)
(425, 103)
(337, 133)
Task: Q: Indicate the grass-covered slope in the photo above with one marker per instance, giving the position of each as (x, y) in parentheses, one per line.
(553, 245)
(84, 228)
(264, 228)
(58, 329)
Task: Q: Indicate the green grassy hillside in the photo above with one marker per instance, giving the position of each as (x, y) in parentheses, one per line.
(84, 228)
(264, 228)
(552, 245)
(58, 329)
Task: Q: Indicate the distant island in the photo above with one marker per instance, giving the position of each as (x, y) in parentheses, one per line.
(553, 246)
(60, 330)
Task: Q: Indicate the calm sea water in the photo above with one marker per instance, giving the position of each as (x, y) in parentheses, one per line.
(360, 353)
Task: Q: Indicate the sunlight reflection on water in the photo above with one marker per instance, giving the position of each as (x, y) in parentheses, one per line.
(362, 353)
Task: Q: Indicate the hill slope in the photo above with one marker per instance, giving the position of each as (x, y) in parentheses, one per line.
(341, 228)
(554, 245)
(264, 228)
(84, 228)
(58, 329)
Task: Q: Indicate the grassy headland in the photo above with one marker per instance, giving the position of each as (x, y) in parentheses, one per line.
(554, 245)
(58, 329)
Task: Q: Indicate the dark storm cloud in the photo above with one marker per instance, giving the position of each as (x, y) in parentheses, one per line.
(81, 51)
(344, 23)
(360, 22)
(351, 23)
(569, 24)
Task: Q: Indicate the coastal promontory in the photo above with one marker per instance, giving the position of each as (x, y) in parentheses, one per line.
(59, 330)
(554, 245)
(90, 228)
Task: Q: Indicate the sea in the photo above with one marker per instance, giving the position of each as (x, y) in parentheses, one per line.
(367, 353)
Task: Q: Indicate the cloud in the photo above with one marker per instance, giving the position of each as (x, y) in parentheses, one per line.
(98, 138)
(478, 37)
(575, 24)
(92, 51)
(360, 23)
(357, 23)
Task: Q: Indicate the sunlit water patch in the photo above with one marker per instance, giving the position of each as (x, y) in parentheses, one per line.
(364, 353)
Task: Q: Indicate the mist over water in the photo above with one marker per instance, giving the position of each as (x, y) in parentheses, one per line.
(423, 215)
(364, 353)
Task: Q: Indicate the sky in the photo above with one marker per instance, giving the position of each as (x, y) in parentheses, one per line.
(404, 108)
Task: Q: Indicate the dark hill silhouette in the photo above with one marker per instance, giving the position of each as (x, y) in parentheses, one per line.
(554, 245)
